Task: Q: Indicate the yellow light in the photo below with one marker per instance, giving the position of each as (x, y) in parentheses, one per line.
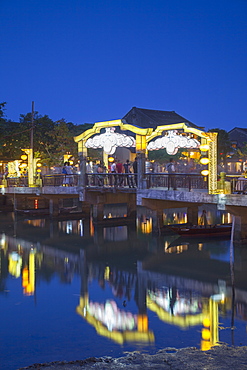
(205, 334)
(204, 173)
(141, 143)
(111, 159)
(206, 322)
(142, 323)
(205, 345)
(204, 148)
(38, 164)
(23, 157)
(38, 170)
(107, 273)
(71, 163)
(204, 160)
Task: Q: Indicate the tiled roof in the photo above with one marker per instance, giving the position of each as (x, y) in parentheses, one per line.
(244, 130)
(152, 118)
(238, 135)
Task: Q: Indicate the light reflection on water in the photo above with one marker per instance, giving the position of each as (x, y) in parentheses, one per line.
(70, 290)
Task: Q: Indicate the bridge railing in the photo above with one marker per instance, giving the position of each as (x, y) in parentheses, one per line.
(151, 180)
(17, 181)
(175, 181)
(60, 180)
(237, 184)
(111, 179)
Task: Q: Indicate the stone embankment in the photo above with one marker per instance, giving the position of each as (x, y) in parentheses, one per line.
(218, 358)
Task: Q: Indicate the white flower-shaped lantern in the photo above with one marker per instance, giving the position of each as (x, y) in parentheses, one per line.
(110, 140)
(172, 142)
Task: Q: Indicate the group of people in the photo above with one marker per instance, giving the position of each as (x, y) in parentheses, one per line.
(118, 174)
(116, 171)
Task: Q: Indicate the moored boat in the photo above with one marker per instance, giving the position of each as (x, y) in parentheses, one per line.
(203, 230)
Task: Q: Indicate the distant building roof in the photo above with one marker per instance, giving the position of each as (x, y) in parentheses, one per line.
(238, 135)
(152, 118)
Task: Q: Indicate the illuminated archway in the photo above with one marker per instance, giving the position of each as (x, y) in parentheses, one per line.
(171, 137)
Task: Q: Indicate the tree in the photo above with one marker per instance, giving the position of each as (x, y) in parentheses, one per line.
(61, 142)
(51, 140)
(9, 146)
(2, 109)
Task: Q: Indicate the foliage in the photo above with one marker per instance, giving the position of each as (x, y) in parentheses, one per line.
(60, 142)
(2, 109)
(51, 140)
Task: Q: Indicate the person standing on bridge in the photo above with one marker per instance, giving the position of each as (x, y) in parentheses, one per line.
(171, 174)
(119, 170)
(69, 171)
(134, 166)
(129, 176)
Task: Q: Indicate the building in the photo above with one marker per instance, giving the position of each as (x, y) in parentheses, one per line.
(237, 163)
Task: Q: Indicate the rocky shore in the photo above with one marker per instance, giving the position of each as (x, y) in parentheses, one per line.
(218, 358)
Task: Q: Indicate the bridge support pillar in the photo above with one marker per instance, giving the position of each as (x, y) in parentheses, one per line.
(157, 220)
(98, 212)
(192, 215)
(239, 224)
(131, 210)
(15, 206)
(54, 207)
(141, 293)
(240, 229)
(54, 232)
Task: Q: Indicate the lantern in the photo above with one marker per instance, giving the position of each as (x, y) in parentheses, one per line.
(204, 160)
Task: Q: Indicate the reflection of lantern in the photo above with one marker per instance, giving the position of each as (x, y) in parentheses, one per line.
(24, 157)
(205, 334)
(206, 322)
(204, 160)
(39, 170)
(111, 159)
(204, 172)
(204, 148)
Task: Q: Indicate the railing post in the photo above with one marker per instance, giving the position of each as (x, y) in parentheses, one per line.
(189, 183)
(141, 171)
(82, 176)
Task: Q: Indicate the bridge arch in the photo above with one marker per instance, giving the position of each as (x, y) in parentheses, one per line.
(170, 136)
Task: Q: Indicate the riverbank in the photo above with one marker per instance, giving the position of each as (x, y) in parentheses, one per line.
(218, 358)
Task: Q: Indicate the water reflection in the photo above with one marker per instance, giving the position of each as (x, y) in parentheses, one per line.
(133, 288)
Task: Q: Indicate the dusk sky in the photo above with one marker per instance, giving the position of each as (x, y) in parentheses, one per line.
(93, 60)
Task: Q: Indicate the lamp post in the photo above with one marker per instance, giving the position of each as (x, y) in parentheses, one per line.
(29, 153)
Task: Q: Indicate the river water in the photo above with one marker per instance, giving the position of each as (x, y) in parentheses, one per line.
(71, 290)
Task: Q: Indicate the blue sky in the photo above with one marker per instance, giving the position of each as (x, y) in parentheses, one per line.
(93, 60)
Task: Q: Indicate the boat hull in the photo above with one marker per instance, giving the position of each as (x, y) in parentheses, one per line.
(206, 231)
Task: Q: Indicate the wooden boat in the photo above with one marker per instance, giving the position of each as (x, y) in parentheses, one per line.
(203, 230)
(33, 212)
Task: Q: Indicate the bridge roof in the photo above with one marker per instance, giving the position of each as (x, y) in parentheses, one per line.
(151, 118)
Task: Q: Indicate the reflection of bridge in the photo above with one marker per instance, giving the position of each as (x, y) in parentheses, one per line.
(197, 300)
